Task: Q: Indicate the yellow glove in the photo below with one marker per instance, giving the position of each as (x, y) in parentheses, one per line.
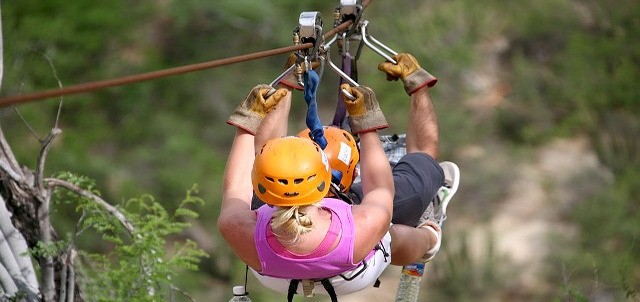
(364, 112)
(249, 114)
(408, 69)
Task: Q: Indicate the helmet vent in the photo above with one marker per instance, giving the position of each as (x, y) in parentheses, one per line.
(261, 189)
(298, 181)
(311, 177)
(321, 186)
(283, 181)
(269, 179)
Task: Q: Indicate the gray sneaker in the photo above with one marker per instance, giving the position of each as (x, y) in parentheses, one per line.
(436, 213)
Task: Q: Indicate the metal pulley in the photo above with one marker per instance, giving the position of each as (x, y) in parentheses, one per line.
(310, 31)
(350, 10)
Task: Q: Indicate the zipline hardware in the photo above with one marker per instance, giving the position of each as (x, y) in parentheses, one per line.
(125, 80)
(309, 30)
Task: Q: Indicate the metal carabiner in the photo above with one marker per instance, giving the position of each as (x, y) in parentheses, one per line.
(278, 79)
(343, 75)
(365, 39)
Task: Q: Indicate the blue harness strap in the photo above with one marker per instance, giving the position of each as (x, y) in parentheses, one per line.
(311, 80)
(316, 130)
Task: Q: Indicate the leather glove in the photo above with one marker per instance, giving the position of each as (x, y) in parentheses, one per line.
(407, 69)
(249, 114)
(364, 112)
(290, 80)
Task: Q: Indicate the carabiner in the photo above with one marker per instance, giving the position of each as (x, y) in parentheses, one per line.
(365, 39)
(278, 79)
(343, 75)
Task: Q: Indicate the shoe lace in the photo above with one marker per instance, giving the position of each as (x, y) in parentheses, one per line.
(435, 211)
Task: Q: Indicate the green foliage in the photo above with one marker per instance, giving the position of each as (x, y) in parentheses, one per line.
(52, 249)
(141, 266)
(567, 68)
(467, 273)
(606, 255)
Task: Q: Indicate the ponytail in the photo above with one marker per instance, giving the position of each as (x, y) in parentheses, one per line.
(292, 221)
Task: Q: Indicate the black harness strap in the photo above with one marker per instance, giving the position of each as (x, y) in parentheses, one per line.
(329, 288)
(293, 286)
(339, 194)
(326, 283)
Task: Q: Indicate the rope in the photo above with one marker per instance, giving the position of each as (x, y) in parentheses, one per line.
(91, 86)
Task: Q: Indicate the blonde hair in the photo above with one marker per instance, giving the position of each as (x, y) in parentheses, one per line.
(292, 221)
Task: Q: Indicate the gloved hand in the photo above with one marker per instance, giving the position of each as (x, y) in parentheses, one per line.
(290, 80)
(407, 69)
(364, 112)
(249, 114)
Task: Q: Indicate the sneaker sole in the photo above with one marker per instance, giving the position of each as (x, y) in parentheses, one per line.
(451, 182)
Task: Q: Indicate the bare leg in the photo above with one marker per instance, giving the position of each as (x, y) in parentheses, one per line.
(409, 244)
(422, 129)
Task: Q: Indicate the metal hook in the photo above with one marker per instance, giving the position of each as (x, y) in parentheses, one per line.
(365, 39)
(278, 79)
(343, 75)
(328, 44)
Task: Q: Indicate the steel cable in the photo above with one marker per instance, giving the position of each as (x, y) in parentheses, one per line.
(91, 86)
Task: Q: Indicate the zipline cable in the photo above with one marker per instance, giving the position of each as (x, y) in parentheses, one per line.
(90, 86)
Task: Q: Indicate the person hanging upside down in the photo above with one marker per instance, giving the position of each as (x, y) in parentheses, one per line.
(423, 188)
(301, 238)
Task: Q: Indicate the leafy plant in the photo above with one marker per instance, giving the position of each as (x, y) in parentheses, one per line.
(140, 266)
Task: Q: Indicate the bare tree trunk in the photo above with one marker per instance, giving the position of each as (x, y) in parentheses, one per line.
(16, 272)
(15, 261)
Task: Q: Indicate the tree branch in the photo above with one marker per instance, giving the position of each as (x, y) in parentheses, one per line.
(8, 160)
(72, 276)
(6, 167)
(46, 145)
(47, 264)
(183, 293)
(84, 193)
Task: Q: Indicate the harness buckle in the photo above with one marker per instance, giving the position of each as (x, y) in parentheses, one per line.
(307, 287)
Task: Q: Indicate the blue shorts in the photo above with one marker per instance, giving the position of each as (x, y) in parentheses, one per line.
(417, 177)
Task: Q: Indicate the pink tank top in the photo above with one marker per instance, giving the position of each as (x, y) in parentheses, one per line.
(276, 261)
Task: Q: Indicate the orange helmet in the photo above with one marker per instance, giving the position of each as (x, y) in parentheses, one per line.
(291, 171)
(342, 152)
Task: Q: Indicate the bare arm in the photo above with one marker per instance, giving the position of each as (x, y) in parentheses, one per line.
(275, 124)
(373, 215)
(422, 130)
(237, 221)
